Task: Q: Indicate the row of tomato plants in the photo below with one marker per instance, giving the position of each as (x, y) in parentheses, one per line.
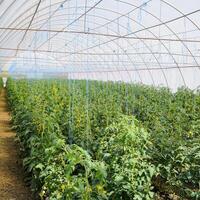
(84, 139)
(1, 84)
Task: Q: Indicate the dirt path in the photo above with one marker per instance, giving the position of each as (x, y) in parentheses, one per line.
(12, 185)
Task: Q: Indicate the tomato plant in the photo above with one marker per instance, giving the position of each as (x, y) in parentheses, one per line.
(105, 140)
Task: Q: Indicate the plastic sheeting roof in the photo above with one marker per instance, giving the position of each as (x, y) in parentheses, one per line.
(155, 42)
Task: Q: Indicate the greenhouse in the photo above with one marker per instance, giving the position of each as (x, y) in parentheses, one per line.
(99, 100)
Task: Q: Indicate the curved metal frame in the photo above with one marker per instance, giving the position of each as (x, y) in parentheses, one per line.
(117, 35)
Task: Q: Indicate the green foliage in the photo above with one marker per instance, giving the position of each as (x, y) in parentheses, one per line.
(113, 156)
(58, 170)
(1, 84)
(124, 148)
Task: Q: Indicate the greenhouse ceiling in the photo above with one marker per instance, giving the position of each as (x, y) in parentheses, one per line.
(154, 42)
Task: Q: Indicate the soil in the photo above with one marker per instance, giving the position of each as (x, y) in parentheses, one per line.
(12, 184)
